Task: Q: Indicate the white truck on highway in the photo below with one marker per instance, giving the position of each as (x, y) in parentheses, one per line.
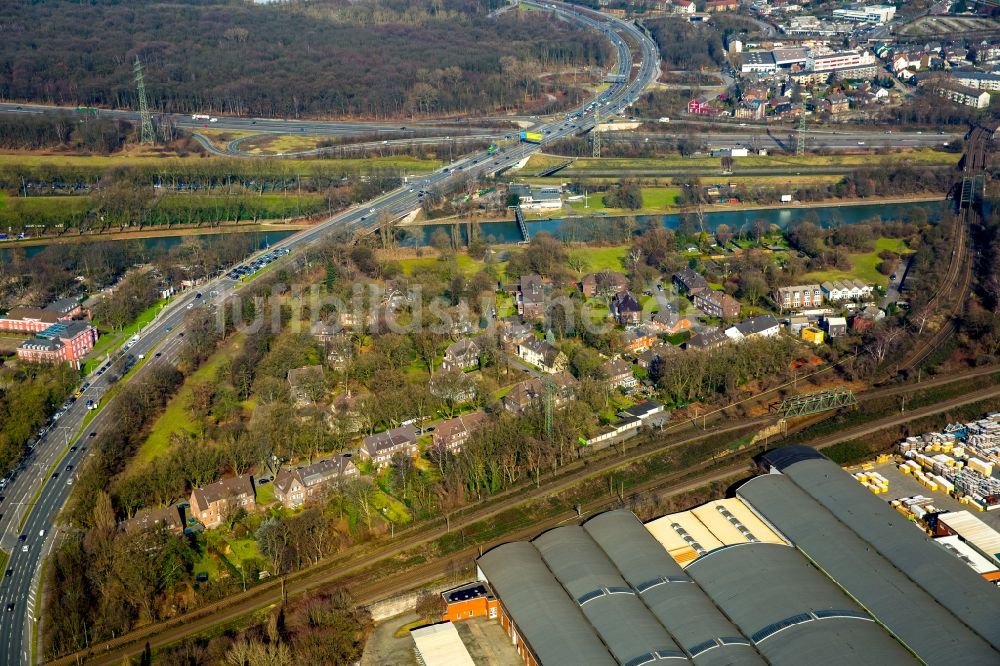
(200, 116)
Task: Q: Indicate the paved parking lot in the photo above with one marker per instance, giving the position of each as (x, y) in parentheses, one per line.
(904, 485)
(484, 639)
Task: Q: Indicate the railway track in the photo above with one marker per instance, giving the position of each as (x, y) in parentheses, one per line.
(954, 289)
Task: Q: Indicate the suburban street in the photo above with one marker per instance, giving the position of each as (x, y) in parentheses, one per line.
(164, 335)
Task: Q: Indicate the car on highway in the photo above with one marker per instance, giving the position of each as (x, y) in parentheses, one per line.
(10, 572)
(93, 434)
(69, 467)
(10, 607)
(22, 538)
(55, 475)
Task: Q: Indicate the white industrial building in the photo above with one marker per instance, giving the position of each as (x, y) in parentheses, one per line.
(874, 14)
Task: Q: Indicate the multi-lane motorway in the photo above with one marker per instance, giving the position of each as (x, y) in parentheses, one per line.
(161, 340)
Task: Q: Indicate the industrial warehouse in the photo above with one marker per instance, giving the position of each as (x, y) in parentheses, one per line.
(803, 566)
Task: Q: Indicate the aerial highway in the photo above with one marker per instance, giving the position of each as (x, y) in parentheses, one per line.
(48, 472)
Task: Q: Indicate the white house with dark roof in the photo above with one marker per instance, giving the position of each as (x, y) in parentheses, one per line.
(762, 326)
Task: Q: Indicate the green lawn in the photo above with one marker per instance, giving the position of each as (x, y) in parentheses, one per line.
(864, 265)
(265, 494)
(583, 165)
(391, 508)
(241, 550)
(600, 258)
(175, 417)
(111, 339)
(654, 200)
(465, 263)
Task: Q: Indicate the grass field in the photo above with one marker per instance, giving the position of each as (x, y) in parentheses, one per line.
(465, 263)
(172, 208)
(600, 258)
(110, 339)
(582, 165)
(654, 200)
(175, 417)
(864, 265)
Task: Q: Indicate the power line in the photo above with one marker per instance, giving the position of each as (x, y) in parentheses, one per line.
(147, 122)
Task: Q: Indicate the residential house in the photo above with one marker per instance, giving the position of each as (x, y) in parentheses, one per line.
(461, 355)
(168, 518)
(689, 281)
(638, 339)
(514, 333)
(797, 323)
(862, 321)
(761, 326)
(619, 374)
(845, 290)
(650, 412)
(717, 304)
(707, 339)
(798, 297)
(684, 7)
(63, 342)
(593, 284)
(625, 309)
(835, 326)
(542, 354)
(305, 383)
(451, 434)
(646, 358)
(326, 331)
(382, 446)
(713, 6)
(532, 391)
(977, 99)
(531, 297)
(212, 504)
(669, 323)
(837, 103)
(294, 487)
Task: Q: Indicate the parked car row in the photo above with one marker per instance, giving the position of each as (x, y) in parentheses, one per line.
(257, 264)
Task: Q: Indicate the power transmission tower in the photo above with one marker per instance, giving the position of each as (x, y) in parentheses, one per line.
(144, 117)
(800, 143)
(595, 135)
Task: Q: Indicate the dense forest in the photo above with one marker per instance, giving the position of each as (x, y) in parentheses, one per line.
(686, 45)
(440, 56)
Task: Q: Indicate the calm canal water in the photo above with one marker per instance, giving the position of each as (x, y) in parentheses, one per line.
(507, 232)
(260, 239)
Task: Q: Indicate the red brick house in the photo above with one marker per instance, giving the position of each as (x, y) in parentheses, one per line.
(382, 446)
(211, 504)
(451, 434)
(62, 342)
(294, 487)
(36, 320)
